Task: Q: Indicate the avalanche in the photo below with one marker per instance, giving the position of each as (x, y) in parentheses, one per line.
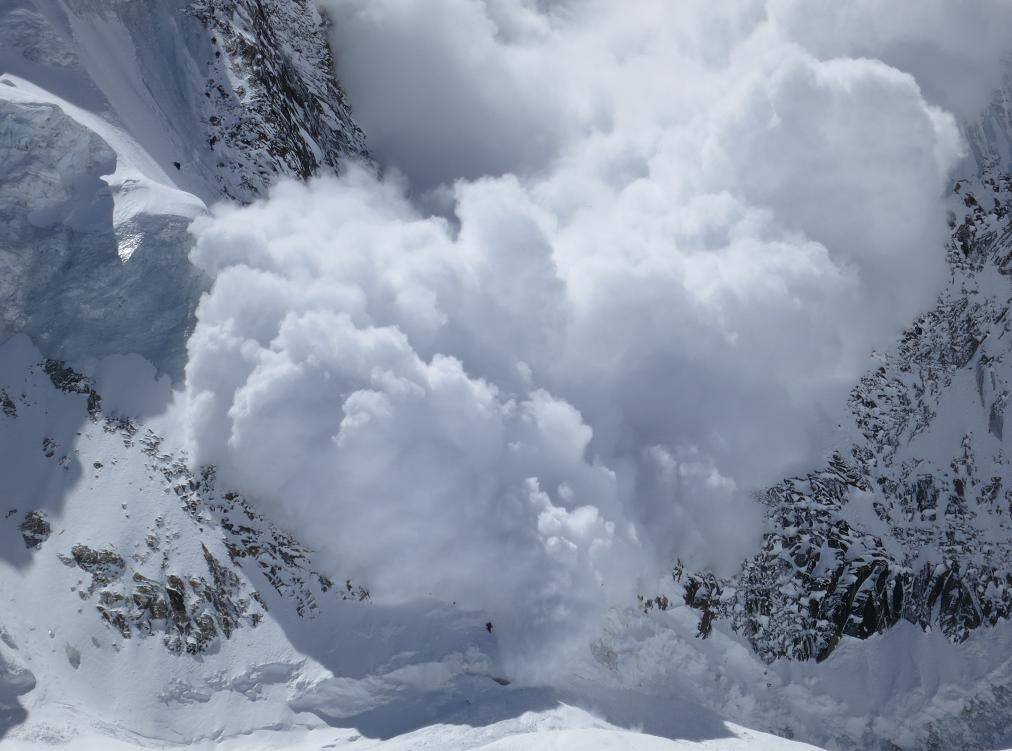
(454, 447)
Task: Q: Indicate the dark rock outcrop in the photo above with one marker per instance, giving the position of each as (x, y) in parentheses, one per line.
(35, 529)
(890, 531)
(289, 116)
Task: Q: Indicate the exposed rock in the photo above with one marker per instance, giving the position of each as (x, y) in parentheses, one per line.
(68, 380)
(7, 404)
(35, 529)
(886, 533)
(105, 566)
(277, 555)
(191, 610)
(289, 115)
(189, 613)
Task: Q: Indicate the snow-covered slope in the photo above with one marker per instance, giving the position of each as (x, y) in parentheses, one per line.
(119, 122)
(234, 92)
(140, 604)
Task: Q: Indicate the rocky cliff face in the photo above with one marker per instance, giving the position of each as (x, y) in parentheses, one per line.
(275, 107)
(990, 136)
(911, 519)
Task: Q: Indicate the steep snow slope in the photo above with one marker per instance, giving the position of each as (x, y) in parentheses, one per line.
(119, 121)
(234, 91)
(142, 605)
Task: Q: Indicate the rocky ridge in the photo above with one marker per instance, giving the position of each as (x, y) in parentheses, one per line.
(912, 517)
(275, 106)
(154, 591)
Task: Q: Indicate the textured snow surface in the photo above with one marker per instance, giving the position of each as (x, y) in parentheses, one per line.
(565, 729)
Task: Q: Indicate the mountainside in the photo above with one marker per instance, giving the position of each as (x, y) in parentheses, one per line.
(273, 104)
(143, 603)
(120, 122)
(146, 604)
(911, 518)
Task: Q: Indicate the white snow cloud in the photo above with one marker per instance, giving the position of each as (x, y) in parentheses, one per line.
(667, 241)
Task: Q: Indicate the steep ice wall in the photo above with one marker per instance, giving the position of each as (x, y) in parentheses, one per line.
(89, 245)
(121, 121)
(236, 92)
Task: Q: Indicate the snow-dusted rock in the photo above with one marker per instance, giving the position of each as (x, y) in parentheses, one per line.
(911, 519)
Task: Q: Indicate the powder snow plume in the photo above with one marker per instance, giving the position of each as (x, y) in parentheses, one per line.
(570, 325)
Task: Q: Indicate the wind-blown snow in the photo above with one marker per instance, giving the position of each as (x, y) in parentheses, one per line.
(694, 228)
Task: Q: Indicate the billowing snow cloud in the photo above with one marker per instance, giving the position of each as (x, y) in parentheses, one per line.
(632, 262)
